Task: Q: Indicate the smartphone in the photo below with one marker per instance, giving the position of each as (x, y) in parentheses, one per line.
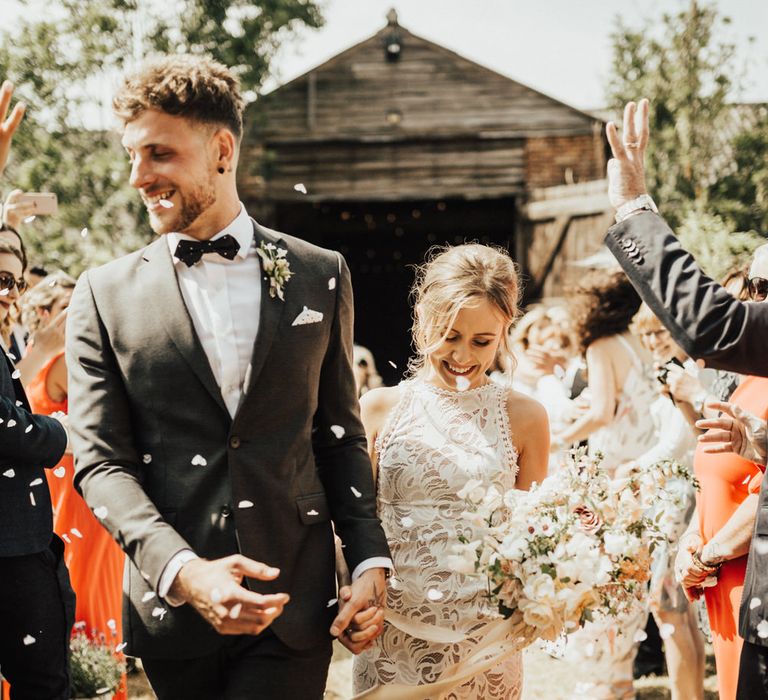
(45, 203)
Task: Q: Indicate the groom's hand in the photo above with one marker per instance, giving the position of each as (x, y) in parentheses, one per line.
(626, 170)
(214, 589)
(361, 611)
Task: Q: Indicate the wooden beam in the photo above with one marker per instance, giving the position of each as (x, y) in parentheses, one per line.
(573, 206)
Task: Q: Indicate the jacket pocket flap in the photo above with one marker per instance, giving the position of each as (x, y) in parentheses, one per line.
(313, 508)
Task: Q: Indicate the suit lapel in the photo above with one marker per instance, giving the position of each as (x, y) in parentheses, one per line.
(270, 313)
(166, 296)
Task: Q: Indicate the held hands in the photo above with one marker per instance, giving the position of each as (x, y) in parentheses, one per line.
(361, 611)
(734, 430)
(626, 170)
(214, 589)
(687, 573)
(8, 126)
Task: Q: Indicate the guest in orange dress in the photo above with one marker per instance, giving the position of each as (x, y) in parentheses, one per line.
(94, 560)
(717, 542)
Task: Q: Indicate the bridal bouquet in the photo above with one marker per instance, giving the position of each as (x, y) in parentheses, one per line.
(576, 546)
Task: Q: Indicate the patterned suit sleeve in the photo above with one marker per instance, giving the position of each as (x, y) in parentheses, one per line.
(106, 459)
(704, 319)
(342, 459)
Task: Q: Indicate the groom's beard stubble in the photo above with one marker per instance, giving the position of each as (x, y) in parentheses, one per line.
(191, 206)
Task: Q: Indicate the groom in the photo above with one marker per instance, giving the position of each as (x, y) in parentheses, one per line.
(215, 416)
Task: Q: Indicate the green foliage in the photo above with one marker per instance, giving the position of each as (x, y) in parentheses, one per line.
(716, 248)
(66, 61)
(94, 668)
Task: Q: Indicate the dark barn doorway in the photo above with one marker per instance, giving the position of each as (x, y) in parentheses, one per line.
(382, 242)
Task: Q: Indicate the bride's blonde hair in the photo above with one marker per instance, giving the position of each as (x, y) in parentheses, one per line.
(454, 278)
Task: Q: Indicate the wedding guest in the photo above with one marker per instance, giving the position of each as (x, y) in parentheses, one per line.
(675, 440)
(617, 423)
(366, 375)
(94, 560)
(447, 424)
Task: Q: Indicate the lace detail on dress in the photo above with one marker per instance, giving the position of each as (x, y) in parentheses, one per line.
(433, 442)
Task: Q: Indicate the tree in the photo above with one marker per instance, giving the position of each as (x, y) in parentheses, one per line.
(61, 65)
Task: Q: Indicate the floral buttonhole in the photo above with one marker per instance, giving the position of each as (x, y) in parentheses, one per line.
(277, 269)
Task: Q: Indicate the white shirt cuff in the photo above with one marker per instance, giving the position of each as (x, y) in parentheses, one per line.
(372, 563)
(169, 574)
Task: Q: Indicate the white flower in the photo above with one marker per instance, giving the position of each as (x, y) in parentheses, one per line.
(537, 614)
(616, 543)
(540, 588)
(472, 491)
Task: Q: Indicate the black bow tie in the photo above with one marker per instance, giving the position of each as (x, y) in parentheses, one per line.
(190, 252)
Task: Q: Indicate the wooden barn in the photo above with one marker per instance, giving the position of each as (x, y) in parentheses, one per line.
(397, 145)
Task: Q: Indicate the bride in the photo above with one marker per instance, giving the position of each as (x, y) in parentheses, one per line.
(444, 426)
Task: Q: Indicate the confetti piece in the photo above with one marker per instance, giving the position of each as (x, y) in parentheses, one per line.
(159, 612)
(10, 423)
(355, 491)
(144, 575)
(146, 459)
(32, 498)
(332, 283)
(100, 512)
(13, 358)
(29, 639)
(16, 374)
(147, 596)
(84, 232)
(112, 624)
(762, 629)
(165, 204)
(245, 504)
(30, 219)
(120, 647)
(199, 461)
(65, 537)
(102, 691)
(392, 364)
(234, 611)
(4, 292)
(60, 472)
(35, 482)
(746, 479)
(216, 595)
(300, 187)
(640, 636)
(666, 630)
(754, 603)
(406, 521)
(331, 602)
(338, 431)
(434, 594)
(9, 473)
(462, 383)
(76, 533)
(312, 512)
(19, 403)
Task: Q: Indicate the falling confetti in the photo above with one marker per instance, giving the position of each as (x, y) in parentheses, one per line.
(392, 364)
(234, 611)
(216, 595)
(144, 575)
(640, 636)
(60, 472)
(762, 629)
(338, 431)
(84, 232)
(245, 504)
(102, 691)
(112, 624)
(312, 512)
(146, 459)
(331, 602)
(4, 292)
(28, 429)
(16, 374)
(76, 533)
(754, 603)
(199, 461)
(36, 482)
(100, 512)
(300, 187)
(434, 594)
(159, 612)
(147, 596)
(332, 283)
(32, 498)
(165, 204)
(30, 219)
(120, 647)
(10, 423)
(407, 521)
(9, 473)
(29, 639)
(666, 630)
(65, 537)
(462, 383)
(746, 479)
(355, 491)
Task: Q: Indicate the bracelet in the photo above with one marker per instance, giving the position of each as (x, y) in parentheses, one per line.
(707, 568)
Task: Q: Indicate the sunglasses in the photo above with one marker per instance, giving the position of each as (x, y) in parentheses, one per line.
(7, 280)
(757, 288)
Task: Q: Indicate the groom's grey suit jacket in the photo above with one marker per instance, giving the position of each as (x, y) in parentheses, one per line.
(161, 461)
(708, 323)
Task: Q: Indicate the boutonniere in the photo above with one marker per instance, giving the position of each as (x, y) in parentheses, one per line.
(276, 268)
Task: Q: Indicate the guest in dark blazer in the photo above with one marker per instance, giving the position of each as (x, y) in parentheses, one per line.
(710, 325)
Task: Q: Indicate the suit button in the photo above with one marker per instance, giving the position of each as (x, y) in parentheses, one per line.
(225, 511)
(234, 442)
(626, 243)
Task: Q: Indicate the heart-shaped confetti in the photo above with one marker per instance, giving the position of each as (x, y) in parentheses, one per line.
(300, 187)
(16, 374)
(10, 473)
(100, 512)
(159, 612)
(762, 629)
(28, 639)
(312, 512)
(754, 603)
(355, 491)
(199, 461)
(434, 594)
(60, 472)
(640, 636)
(10, 423)
(147, 459)
(234, 611)
(147, 596)
(76, 533)
(332, 283)
(666, 630)
(338, 431)
(112, 624)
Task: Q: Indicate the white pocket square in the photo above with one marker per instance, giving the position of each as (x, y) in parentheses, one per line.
(307, 316)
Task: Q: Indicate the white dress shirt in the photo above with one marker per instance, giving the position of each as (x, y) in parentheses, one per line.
(223, 298)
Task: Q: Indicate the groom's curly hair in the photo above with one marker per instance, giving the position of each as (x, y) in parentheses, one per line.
(195, 87)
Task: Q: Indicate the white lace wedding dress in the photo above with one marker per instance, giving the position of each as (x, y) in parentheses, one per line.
(435, 441)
